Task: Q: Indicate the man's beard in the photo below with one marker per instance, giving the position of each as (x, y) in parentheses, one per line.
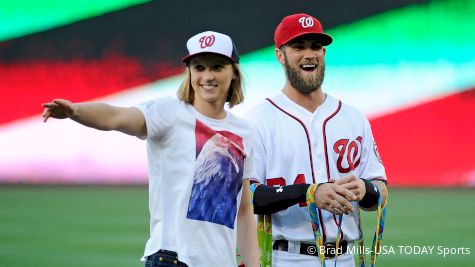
(305, 85)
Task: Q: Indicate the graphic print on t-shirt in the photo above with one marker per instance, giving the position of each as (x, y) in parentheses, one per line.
(218, 176)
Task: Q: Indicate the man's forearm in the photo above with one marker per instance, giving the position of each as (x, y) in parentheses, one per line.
(268, 199)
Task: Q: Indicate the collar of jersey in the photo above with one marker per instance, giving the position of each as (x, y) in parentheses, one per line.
(325, 109)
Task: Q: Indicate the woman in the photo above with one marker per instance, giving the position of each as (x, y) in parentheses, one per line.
(198, 156)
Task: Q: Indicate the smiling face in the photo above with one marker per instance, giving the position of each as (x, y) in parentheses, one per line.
(211, 77)
(304, 63)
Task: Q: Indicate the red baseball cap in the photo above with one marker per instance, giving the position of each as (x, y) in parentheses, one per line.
(212, 43)
(297, 25)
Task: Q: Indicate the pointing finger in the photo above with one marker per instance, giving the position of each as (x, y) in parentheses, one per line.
(46, 115)
(61, 102)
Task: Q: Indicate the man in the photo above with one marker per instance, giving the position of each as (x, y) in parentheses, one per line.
(305, 136)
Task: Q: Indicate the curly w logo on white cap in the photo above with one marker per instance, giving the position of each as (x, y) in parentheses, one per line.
(211, 42)
(207, 40)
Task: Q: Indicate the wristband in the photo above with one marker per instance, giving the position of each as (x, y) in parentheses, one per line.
(370, 199)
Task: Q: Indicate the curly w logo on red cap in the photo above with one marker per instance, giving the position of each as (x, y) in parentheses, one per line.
(306, 22)
(207, 40)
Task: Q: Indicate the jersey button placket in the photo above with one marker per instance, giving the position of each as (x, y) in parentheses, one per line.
(314, 145)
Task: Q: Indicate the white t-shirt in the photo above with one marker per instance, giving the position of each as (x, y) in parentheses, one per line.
(341, 142)
(196, 166)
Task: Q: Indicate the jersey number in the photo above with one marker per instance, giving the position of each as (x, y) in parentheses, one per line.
(300, 179)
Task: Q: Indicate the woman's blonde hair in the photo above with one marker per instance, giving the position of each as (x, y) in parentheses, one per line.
(235, 94)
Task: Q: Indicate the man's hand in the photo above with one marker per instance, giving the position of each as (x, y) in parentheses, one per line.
(354, 184)
(334, 198)
(357, 186)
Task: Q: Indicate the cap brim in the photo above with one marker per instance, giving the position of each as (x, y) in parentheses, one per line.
(189, 57)
(323, 38)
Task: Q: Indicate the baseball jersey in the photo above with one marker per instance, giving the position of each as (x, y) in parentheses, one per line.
(296, 146)
(196, 167)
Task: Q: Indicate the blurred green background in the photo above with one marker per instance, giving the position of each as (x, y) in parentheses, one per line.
(108, 225)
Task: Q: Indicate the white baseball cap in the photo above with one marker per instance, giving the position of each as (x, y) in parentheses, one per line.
(211, 42)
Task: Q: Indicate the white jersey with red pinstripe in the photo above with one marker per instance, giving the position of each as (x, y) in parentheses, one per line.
(297, 146)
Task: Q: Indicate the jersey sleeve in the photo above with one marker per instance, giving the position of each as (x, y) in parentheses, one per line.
(258, 154)
(159, 115)
(248, 161)
(372, 166)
